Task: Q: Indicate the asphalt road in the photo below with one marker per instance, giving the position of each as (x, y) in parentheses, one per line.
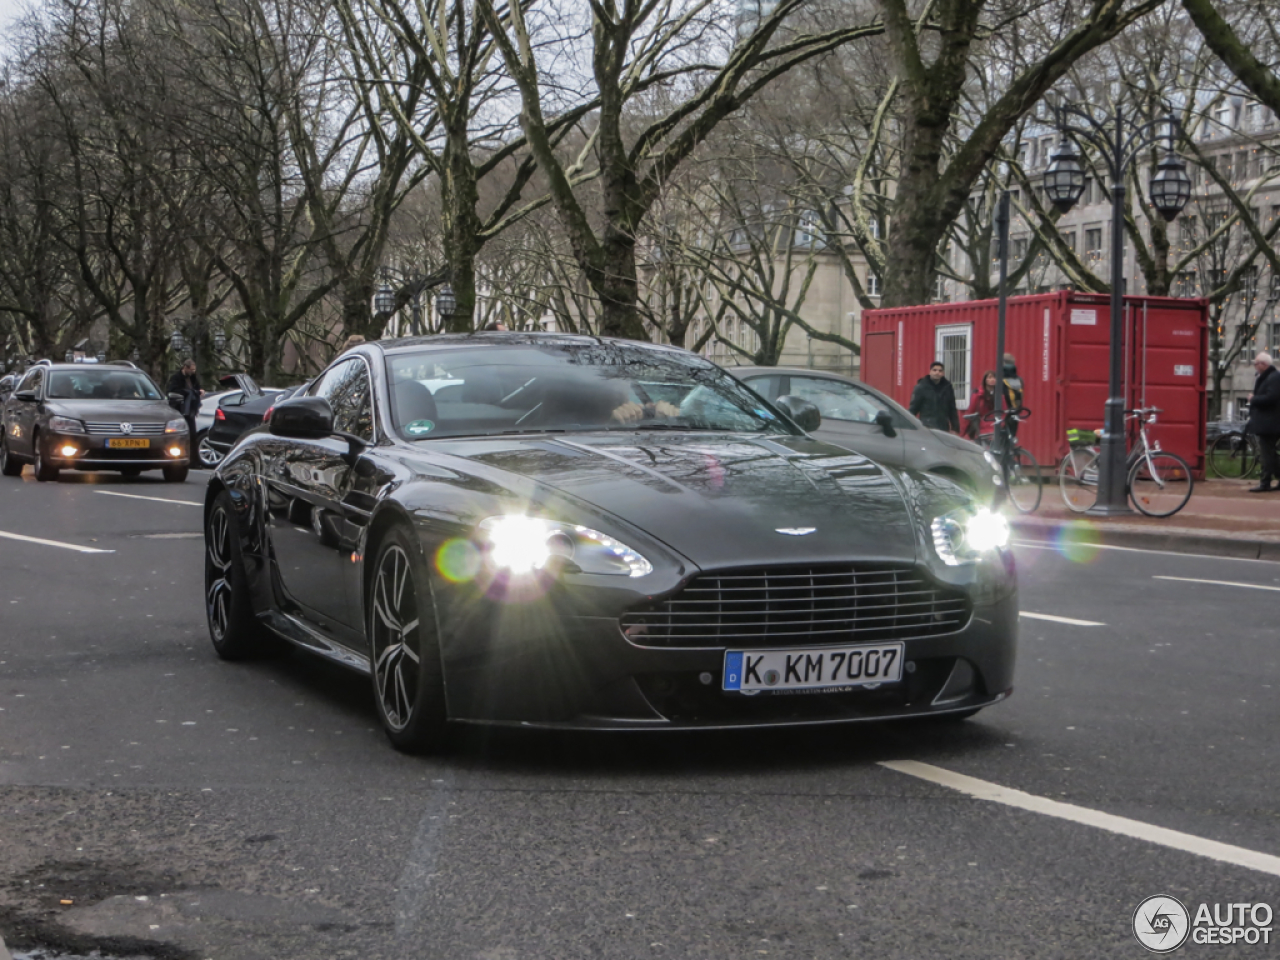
(190, 808)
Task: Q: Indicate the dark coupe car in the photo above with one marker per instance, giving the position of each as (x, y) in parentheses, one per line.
(75, 416)
(236, 415)
(556, 531)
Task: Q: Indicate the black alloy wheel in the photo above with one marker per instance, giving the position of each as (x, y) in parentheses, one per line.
(45, 471)
(234, 630)
(404, 652)
(10, 465)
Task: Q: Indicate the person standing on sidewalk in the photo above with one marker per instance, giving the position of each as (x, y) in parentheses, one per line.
(1264, 419)
(934, 400)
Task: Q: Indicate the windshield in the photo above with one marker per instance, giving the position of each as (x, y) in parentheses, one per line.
(100, 384)
(569, 387)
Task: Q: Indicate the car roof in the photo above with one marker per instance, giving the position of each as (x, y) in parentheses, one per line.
(490, 337)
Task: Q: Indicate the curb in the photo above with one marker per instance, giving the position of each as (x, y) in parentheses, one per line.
(1180, 541)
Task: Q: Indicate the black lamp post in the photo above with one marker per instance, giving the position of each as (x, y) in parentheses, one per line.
(1169, 190)
(446, 303)
(384, 300)
(193, 332)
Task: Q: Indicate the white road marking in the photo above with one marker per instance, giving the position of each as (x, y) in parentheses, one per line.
(1220, 583)
(1052, 618)
(135, 496)
(1175, 839)
(53, 543)
(1041, 545)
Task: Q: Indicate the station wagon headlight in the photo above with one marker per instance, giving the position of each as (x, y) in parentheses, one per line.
(176, 426)
(520, 544)
(964, 537)
(66, 425)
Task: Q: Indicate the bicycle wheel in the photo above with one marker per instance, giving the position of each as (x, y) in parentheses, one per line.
(1233, 456)
(1078, 480)
(1022, 480)
(1160, 484)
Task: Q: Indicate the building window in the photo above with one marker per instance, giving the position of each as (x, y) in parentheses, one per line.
(1249, 282)
(873, 284)
(1187, 230)
(1275, 287)
(1069, 240)
(1093, 242)
(1185, 285)
(1017, 248)
(953, 346)
(940, 289)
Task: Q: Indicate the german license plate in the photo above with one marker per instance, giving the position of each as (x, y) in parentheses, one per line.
(129, 443)
(759, 671)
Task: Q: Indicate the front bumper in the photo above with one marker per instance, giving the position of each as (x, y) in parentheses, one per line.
(93, 452)
(557, 662)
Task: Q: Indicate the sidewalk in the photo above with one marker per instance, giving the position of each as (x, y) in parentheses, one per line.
(1221, 519)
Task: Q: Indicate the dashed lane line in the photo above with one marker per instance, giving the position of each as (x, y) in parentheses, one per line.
(1220, 583)
(137, 496)
(1051, 618)
(52, 543)
(1174, 839)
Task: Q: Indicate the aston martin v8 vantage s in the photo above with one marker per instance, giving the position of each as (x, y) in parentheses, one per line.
(562, 531)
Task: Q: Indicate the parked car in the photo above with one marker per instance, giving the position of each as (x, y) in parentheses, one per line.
(7, 383)
(109, 416)
(235, 415)
(231, 386)
(861, 418)
(542, 541)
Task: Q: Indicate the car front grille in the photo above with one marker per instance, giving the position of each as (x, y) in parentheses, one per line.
(799, 606)
(112, 428)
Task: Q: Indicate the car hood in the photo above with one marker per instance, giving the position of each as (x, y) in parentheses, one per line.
(718, 500)
(123, 411)
(955, 443)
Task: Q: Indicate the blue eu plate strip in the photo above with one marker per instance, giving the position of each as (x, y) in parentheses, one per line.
(733, 671)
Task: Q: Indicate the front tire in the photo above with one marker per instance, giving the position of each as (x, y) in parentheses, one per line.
(234, 630)
(1160, 484)
(45, 471)
(404, 651)
(10, 466)
(1022, 480)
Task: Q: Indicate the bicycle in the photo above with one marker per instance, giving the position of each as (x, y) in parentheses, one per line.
(1019, 470)
(1158, 483)
(1234, 456)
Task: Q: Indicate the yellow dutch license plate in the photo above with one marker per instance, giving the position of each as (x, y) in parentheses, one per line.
(129, 443)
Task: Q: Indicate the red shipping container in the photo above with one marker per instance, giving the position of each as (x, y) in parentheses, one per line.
(1061, 342)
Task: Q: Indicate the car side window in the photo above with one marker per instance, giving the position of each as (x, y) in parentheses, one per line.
(767, 387)
(836, 400)
(32, 381)
(348, 390)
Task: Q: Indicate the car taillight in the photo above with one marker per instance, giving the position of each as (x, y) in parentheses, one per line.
(219, 415)
(266, 417)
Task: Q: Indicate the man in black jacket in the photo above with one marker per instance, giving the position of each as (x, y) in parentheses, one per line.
(934, 401)
(1264, 419)
(187, 383)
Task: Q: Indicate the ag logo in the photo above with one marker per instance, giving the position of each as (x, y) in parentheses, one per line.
(1161, 924)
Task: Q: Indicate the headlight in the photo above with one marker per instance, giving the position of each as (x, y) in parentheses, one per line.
(520, 544)
(65, 425)
(176, 426)
(963, 537)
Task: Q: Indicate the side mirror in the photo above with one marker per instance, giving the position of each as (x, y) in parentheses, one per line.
(305, 418)
(806, 416)
(884, 420)
(25, 395)
(175, 400)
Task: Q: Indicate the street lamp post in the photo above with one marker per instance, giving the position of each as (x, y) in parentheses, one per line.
(446, 303)
(193, 332)
(1169, 190)
(384, 300)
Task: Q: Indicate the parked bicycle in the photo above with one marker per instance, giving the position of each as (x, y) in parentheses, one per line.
(1234, 456)
(1019, 470)
(1158, 483)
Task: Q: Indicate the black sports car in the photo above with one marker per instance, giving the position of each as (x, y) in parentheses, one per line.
(547, 530)
(236, 415)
